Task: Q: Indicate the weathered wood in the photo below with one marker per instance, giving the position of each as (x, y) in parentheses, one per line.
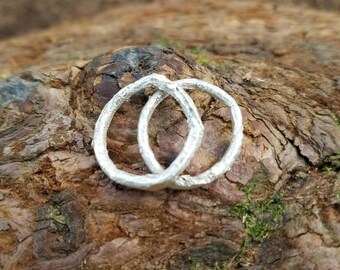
(59, 211)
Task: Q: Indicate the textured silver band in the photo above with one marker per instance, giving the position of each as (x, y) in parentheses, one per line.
(169, 177)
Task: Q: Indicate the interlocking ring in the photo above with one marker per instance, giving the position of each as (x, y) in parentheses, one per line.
(169, 177)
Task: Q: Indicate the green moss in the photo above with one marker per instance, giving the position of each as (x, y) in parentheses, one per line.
(336, 119)
(196, 51)
(201, 56)
(337, 196)
(221, 266)
(259, 217)
(223, 65)
(194, 265)
(326, 169)
(331, 163)
(202, 61)
(251, 186)
(164, 42)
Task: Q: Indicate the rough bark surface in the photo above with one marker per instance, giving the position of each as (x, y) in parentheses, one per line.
(59, 211)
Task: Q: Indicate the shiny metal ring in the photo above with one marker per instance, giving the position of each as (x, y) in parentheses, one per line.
(169, 177)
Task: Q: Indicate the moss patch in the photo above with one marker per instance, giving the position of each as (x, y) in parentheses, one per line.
(194, 265)
(331, 163)
(337, 196)
(259, 217)
(201, 56)
(164, 42)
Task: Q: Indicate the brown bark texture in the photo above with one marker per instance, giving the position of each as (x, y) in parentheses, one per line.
(280, 63)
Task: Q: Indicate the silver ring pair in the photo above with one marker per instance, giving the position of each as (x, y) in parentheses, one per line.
(170, 177)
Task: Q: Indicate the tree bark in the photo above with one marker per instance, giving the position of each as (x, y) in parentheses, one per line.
(58, 209)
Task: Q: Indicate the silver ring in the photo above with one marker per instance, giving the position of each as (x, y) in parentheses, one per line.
(169, 177)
